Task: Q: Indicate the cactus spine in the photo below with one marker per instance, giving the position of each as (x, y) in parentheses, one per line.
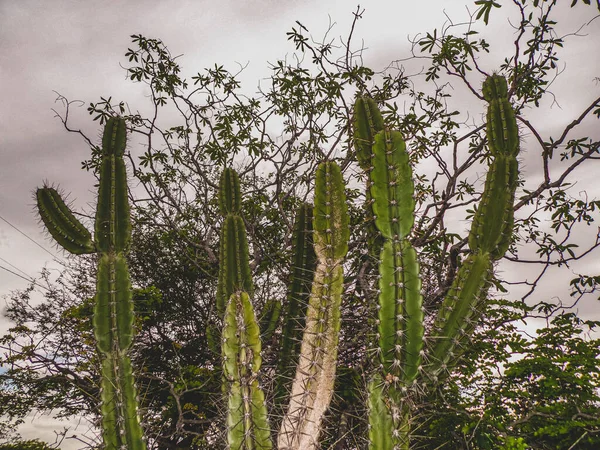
(113, 312)
(315, 375)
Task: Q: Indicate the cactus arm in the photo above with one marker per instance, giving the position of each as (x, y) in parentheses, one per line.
(381, 426)
(469, 287)
(489, 220)
(312, 388)
(247, 415)
(62, 224)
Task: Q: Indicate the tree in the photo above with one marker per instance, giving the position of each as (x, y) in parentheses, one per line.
(174, 258)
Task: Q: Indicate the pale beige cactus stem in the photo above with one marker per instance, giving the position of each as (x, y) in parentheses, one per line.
(315, 375)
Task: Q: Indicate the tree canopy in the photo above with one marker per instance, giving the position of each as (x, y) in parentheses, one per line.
(511, 389)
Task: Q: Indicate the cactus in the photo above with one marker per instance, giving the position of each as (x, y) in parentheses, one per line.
(113, 311)
(303, 268)
(367, 122)
(313, 384)
(247, 424)
(489, 238)
(234, 267)
(400, 329)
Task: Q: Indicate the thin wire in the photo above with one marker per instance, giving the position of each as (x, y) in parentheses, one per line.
(16, 268)
(25, 278)
(39, 245)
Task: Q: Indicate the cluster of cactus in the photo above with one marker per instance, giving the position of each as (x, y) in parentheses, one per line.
(311, 320)
(404, 362)
(113, 313)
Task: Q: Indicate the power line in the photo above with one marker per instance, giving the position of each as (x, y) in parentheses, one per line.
(25, 278)
(39, 245)
(16, 268)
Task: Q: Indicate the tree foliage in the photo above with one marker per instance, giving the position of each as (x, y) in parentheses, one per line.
(509, 391)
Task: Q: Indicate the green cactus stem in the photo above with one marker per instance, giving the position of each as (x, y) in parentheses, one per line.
(234, 262)
(380, 418)
(229, 192)
(113, 227)
(303, 269)
(315, 375)
(489, 238)
(247, 424)
(458, 311)
(368, 121)
(62, 224)
(113, 310)
(234, 265)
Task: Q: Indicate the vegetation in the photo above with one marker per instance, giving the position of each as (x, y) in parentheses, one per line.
(480, 383)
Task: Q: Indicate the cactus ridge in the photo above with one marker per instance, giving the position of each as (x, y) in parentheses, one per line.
(113, 311)
(230, 198)
(494, 87)
(247, 415)
(392, 187)
(400, 315)
(119, 405)
(312, 388)
(62, 225)
(114, 138)
(489, 221)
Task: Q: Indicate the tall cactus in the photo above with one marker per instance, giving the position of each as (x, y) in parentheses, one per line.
(315, 375)
(247, 424)
(490, 234)
(400, 317)
(113, 312)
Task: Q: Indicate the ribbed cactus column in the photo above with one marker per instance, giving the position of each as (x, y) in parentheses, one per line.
(113, 312)
(247, 424)
(400, 316)
(489, 238)
(315, 375)
(303, 269)
(234, 260)
(368, 121)
(234, 266)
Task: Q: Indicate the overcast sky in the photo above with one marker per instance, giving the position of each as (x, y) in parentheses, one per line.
(75, 47)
